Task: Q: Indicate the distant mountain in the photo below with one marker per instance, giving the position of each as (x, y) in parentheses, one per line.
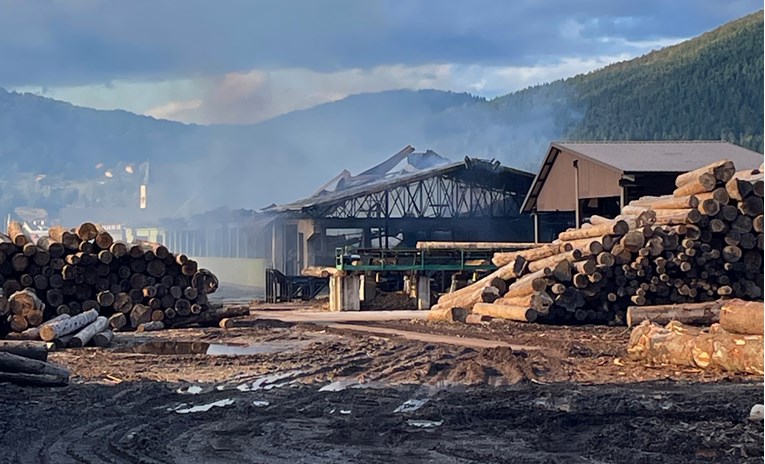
(56, 154)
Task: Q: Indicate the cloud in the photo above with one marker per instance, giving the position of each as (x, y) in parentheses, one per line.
(85, 42)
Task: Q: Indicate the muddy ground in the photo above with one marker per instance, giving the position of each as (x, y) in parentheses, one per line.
(311, 393)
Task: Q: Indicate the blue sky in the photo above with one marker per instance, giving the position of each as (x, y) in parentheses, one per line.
(242, 61)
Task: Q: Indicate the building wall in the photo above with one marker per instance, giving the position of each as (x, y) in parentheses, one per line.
(248, 272)
(595, 181)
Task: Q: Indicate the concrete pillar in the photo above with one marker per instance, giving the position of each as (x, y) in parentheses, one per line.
(408, 287)
(344, 293)
(423, 292)
(368, 288)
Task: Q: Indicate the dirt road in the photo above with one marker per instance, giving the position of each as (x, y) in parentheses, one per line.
(275, 391)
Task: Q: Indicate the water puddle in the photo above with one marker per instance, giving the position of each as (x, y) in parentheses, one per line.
(411, 405)
(181, 409)
(161, 347)
(268, 382)
(190, 390)
(424, 424)
(260, 403)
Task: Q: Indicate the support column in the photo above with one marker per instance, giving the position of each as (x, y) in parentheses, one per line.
(344, 293)
(423, 292)
(368, 288)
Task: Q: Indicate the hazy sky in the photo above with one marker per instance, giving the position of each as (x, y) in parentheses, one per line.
(242, 61)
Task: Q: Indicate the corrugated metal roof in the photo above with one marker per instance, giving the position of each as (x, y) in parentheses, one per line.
(646, 156)
(674, 156)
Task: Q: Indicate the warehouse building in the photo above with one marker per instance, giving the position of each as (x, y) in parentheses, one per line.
(409, 197)
(581, 179)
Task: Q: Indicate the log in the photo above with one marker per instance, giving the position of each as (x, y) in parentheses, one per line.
(470, 319)
(103, 339)
(17, 235)
(710, 207)
(611, 228)
(719, 194)
(513, 313)
(528, 284)
(10, 362)
(488, 295)
(722, 171)
(103, 238)
(65, 237)
(117, 321)
(447, 314)
(666, 202)
(139, 315)
(35, 380)
(150, 326)
(742, 317)
(26, 348)
(677, 344)
(67, 326)
(552, 261)
(541, 301)
(677, 216)
(33, 333)
(466, 297)
(83, 337)
(86, 231)
(314, 271)
(533, 254)
(704, 314)
(698, 184)
(751, 206)
(123, 303)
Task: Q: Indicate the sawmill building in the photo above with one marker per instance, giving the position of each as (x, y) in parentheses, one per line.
(579, 179)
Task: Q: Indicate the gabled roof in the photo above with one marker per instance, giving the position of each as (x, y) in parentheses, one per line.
(501, 177)
(672, 156)
(644, 157)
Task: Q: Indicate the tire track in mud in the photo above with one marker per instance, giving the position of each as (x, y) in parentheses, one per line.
(524, 423)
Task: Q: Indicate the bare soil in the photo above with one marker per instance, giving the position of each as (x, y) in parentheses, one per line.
(314, 394)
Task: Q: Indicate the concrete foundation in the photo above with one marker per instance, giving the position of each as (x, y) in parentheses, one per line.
(367, 288)
(344, 293)
(423, 292)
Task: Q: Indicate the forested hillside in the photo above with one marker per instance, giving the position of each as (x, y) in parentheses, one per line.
(710, 87)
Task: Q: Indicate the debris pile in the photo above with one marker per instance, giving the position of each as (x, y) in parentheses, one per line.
(75, 286)
(702, 243)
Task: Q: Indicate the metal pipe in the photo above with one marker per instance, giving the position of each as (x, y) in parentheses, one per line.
(576, 194)
(536, 226)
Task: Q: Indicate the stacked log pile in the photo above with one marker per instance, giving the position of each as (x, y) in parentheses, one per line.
(733, 345)
(82, 284)
(702, 243)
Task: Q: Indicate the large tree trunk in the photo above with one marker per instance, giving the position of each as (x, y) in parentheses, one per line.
(704, 314)
(83, 337)
(447, 314)
(742, 317)
(34, 380)
(677, 344)
(10, 362)
(26, 348)
(512, 313)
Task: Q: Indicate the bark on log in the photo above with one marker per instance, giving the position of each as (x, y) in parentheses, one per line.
(33, 333)
(468, 296)
(83, 337)
(117, 321)
(703, 314)
(533, 254)
(742, 317)
(150, 326)
(541, 301)
(35, 380)
(513, 313)
(552, 261)
(10, 362)
(103, 339)
(528, 284)
(86, 231)
(67, 326)
(26, 348)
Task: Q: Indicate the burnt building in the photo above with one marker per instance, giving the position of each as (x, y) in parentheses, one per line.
(408, 198)
(580, 179)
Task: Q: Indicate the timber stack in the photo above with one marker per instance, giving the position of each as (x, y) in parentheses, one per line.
(77, 286)
(702, 243)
